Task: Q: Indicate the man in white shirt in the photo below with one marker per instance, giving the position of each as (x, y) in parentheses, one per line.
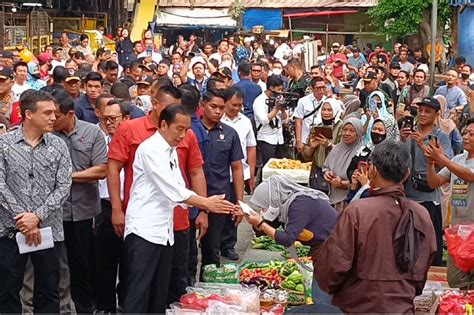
(257, 73)
(148, 51)
(20, 85)
(282, 51)
(234, 117)
(269, 120)
(222, 48)
(404, 63)
(157, 188)
(307, 113)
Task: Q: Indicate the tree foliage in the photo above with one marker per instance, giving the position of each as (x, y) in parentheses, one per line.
(403, 17)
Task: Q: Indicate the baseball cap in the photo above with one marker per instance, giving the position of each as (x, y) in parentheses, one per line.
(430, 102)
(224, 71)
(6, 54)
(6, 73)
(73, 77)
(147, 81)
(44, 57)
(335, 44)
(395, 65)
(355, 49)
(369, 76)
(56, 49)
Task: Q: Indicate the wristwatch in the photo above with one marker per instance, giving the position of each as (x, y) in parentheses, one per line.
(260, 224)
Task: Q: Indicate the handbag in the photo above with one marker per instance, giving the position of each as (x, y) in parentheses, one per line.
(317, 181)
(418, 181)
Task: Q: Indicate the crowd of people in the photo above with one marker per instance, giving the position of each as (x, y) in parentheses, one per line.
(137, 157)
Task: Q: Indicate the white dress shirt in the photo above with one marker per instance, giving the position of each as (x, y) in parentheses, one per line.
(305, 106)
(103, 189)
(265, 132)
(158, 187)
(243, 126)
(263, 85)
(156, 57)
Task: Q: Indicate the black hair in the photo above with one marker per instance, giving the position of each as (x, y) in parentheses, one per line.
(277, 61)
(111, 65)
(125, 106)
(170, 112)
(210, 94)
(60, 74)
(70, 61)
(190, 97)
(93, 76)
(120, 90)
(20, 64)
(63, 101)
(100, 52)
(30, 98)
(470, 121)
(469, 66)
(392, 160)
(417, 70)
(135, 43)
(168, 90)
(83, 36)
(315, 67)
(316, 80)
(79, 55)
(274, 81)
(101, 65)
(101, 97)
(406, 73)
(295, 63)
(211, 83)
(233, 91)
(459, 60)
(221, 41)
(164, 62)
(244, 69)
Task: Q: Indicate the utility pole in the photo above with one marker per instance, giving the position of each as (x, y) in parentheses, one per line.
(434, 24)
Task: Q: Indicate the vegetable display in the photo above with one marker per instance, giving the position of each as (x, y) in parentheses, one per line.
(265, 242)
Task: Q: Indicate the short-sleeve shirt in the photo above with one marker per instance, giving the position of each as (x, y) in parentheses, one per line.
(84, 110)
(223, 148)
(462, 196)
(87, 148)
(189, 157)
(307, 105)
(455, 96)
(251, 91)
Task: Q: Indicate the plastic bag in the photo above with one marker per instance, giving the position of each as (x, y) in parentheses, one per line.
(460, 242)
(455, 303)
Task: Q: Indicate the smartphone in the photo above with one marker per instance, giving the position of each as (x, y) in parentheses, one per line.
(362, 165)
(149, 51)
(325, 131)
(433, 137)
(408, 122)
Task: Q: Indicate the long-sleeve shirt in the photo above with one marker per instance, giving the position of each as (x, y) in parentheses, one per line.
(34, 180)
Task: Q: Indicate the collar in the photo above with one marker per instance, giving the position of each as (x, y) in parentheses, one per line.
(227, 118)
(149, 123)
(163, 143)
(392, 191)
(18, 136)
(217, 126)
(76, 128)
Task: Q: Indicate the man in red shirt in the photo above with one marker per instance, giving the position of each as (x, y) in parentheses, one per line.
(122, 151)
(338, 60)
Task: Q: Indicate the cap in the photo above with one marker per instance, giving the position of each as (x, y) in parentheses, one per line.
(224, 71)
(395, 65)
(430, 102)
(369, 76)
(335, 44)
(44, 57)
(6, 73)
(247, 40)
(56, 49)
(147, 81)
(6, 54)
(355, 49)
(72, 77)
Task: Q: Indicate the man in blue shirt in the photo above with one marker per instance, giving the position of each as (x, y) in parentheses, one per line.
(222, 153)
(417, 141)
(84, 107)
(454, 95)
(250, 89)
(356, 61)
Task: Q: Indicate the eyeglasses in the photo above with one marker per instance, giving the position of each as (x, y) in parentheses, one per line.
(319, 87)
(256, 70)
(109, 119)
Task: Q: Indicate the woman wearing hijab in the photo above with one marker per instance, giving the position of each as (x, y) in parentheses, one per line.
(33, 77)
(338, 160)
(318, 146)
(143, 102)
(305, 213)
(357, 171)
(448, 126)
(351, 106)
(378, 110)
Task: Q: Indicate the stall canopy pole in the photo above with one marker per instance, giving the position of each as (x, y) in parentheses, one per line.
(291, 33)
(434, 22)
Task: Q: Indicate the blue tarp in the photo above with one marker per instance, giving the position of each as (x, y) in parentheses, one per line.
(271, 19)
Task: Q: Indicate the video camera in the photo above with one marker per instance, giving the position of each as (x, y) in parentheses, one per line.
(287, 100)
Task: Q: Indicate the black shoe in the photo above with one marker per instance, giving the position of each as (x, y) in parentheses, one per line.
(230, 254)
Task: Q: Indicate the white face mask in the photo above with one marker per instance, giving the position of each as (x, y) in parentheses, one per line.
(276, 71)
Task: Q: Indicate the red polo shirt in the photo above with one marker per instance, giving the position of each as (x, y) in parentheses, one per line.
(129, 135)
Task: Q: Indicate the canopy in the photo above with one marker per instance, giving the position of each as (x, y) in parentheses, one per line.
(184, 17)
(268, 18)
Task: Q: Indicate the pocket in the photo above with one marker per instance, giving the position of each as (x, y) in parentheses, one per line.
(221, 152)
(82, 154)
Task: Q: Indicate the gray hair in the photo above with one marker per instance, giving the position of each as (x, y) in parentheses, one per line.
(392, 160)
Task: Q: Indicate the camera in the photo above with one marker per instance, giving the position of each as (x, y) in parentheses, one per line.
(287, 100)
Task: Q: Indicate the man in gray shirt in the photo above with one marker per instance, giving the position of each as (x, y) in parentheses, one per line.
(35, 178)
(88, 152)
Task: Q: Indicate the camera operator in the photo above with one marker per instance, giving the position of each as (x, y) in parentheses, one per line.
(270, 114)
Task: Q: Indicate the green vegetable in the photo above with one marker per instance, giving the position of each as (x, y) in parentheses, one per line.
(299, 287)
(288, 284)
(259, 246)
(295, 276)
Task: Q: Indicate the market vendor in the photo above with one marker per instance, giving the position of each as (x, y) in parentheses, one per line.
(305, 213)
